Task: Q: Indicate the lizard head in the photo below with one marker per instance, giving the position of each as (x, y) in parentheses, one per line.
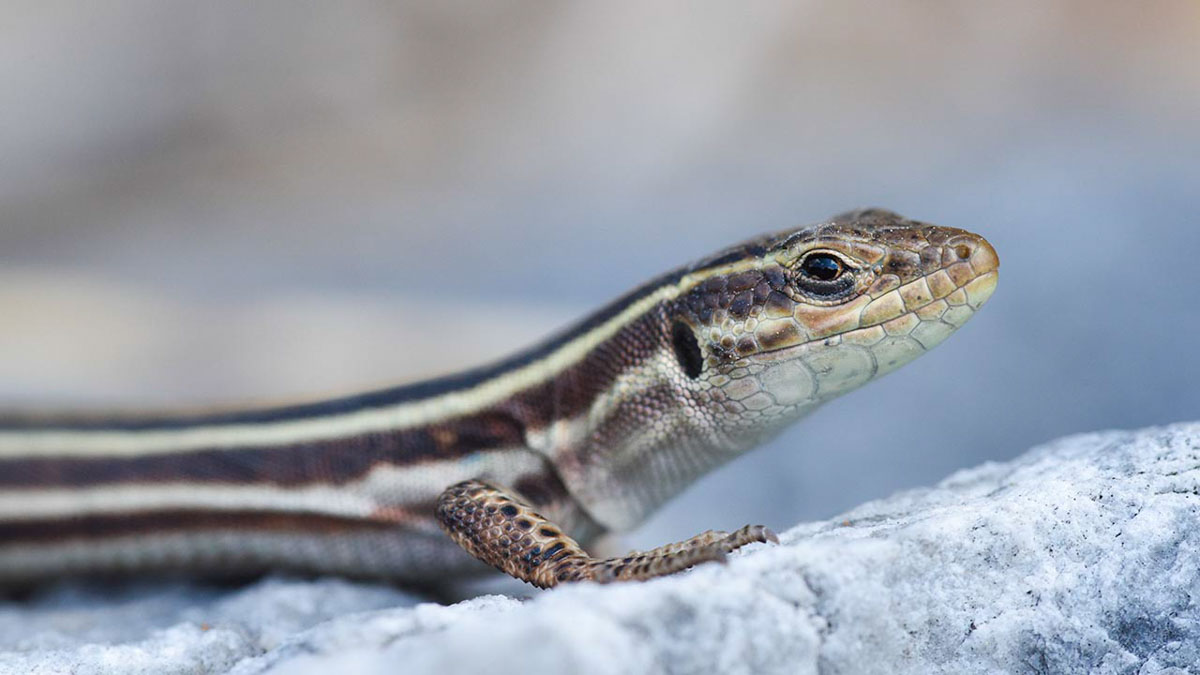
(780, 324)
(741, 344)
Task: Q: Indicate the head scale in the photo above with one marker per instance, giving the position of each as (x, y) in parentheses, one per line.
(760, 334)
(788, 321)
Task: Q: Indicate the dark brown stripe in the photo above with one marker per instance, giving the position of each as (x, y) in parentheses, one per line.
(396, 395)
(342, 460)
(94, 527)
(338, 461)
(335, 461)
(577, 388)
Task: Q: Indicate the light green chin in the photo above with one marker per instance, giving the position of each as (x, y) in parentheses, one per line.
(809, 374)
(981, 289)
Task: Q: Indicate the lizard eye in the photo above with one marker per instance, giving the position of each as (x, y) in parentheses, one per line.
(822, 267)
(825, 277)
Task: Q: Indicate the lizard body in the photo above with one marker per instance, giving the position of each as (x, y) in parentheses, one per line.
(518, 461)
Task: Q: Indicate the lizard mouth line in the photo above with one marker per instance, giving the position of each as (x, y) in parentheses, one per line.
(961, 304)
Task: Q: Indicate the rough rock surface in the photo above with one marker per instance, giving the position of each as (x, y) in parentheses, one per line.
(1080, 556)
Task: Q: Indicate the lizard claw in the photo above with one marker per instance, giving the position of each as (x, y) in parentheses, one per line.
(749, 534)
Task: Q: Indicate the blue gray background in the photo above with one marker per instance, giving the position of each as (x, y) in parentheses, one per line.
(210, 201)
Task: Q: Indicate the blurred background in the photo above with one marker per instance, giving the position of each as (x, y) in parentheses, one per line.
(205, 202)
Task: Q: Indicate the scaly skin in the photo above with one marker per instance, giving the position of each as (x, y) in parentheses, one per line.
(588, 432)
(495, 526)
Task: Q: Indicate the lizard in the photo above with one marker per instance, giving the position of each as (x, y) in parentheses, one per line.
(518, 464)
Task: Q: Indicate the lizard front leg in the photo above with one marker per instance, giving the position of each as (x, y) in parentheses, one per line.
(499, 528)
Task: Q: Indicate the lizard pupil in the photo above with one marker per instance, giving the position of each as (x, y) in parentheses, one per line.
(822, 267)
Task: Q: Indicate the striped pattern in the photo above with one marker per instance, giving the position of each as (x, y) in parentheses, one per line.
(580, 425)
(367, 465)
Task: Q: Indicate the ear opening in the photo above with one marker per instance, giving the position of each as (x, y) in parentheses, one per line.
(687, 349)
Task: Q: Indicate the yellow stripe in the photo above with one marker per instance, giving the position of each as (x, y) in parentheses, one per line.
(19, 444)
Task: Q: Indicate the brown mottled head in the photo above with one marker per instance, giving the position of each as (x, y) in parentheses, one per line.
(792, 319)
(841, 302)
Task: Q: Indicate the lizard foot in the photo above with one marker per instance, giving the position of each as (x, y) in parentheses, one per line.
(501, 529)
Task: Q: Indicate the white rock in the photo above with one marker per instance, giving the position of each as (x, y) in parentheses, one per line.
(1080, 556)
